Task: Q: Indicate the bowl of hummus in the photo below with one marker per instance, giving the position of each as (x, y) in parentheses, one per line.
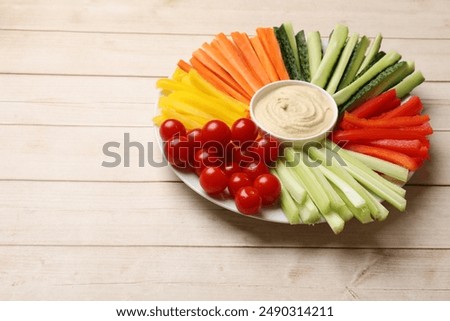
(294, 111)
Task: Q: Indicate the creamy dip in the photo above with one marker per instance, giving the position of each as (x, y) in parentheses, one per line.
(294, 111)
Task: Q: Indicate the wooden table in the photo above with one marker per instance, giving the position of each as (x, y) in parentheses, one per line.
(77, 74)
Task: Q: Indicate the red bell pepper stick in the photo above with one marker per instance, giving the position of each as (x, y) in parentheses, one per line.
(413, 148)
(411, 107)
(424, 129)
(370, 134)
(377, 105)
(388, 155)
(396, 122)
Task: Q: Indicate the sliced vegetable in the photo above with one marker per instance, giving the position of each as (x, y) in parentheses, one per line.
(302, 48)
(343, 62)
(270, 45)
(331, 56)
(292, 41)
(373, 50)
(183, 65)
(370, 134)
(376, 105)
(413, 148)
(411, 107)
(409, 83)
(291, 183)
(355, 62)
(264, 59)
(314, 44)
(377, 57)
(287, 53)
(397, 122)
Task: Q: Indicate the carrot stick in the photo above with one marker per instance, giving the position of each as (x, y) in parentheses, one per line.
(215, 68)
(217, 81)
(231, 53)
(270, 44)
(183, 65)
(248, 53)
(264, 59)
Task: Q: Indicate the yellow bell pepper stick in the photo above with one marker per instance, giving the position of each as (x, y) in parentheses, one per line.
(179, 74)
(158, 120)
(170, 85)
(199, 82)
(188, 121)
(183, 108)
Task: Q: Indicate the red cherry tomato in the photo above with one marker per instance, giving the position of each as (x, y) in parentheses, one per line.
(170, 128)
(248, 201)
(202, 159)
(231, 168)
(244, 132)
(177, 152)
(236, 181)
(213, 180)
(267, 149)
(254, 169)
(216, 132)
(269, 188)
(194, 138)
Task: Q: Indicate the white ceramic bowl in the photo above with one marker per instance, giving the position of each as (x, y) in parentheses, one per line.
(295, 141)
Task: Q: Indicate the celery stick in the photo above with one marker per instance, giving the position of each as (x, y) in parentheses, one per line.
(288, 205)
(289, 181)
(344, 94)
(316, 191)
(383, 211)
(345, 213)
(334, 48)
(314, 45)
(356, 162)
(356, 199)
(334, 166)
(334, 221)
(342, 64)
(379, 189)
(373, 50)
(380, 165)
(335, 201)
(361, 214)
(309, 213)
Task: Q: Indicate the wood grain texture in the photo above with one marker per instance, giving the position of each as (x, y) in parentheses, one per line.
(404, 18)
(147, 55)
(139, 214)
(161, 273)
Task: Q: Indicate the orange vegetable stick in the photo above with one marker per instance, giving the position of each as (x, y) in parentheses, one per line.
(217, 81)
(270, 44)
(231, 53)
(214, 51)
(264, 59)
(248, 53)
(209, 63)
(183, 65)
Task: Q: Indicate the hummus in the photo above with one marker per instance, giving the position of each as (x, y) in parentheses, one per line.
(294, 111)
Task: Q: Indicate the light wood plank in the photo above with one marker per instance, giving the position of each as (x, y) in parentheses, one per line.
(125, 101)
(423, 19)
(141, 55)
(170, 214)
(76, 153)
(136, 273)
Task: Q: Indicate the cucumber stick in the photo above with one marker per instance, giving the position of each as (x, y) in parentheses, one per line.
(331, 56)
(342, 64)
(373, 50)
(355, 62)
(314, 44)
(293, 42)
(344, 94)
(383, 81)
(377, 57)
(408, 84)
(297, 159)
(303, 56)
(287, 53)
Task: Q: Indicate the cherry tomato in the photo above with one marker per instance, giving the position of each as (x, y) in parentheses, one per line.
(254, 169)
(170, 128)
(202, 159)
(243, 131)
(176, 151)
(269, 188)
(231, 168)
(194, 138)
(267, 148)
(248, 201)
(213, 180)
(236, 181)
(216, 132)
